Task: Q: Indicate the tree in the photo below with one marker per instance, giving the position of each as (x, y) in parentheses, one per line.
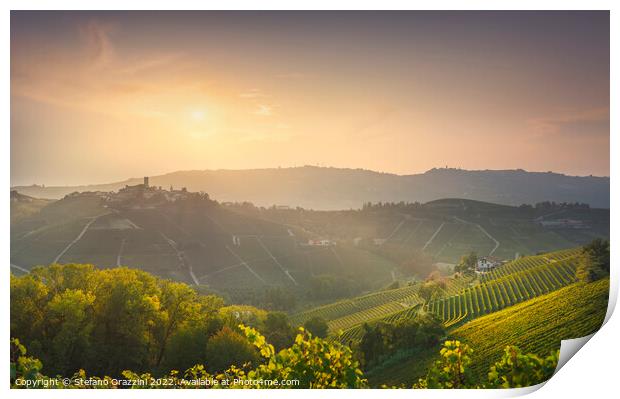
(70, 324)
(105, 321)
(229, 348)
(467, 263)
(278, 330)
(594, 263)
(317, 326)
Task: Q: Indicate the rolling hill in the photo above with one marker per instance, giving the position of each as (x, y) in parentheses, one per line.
(533, 302)
(194, 240)
(444, 230)
(335, 188)
(239, 248)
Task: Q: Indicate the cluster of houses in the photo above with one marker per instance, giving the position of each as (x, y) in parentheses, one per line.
(139, 193)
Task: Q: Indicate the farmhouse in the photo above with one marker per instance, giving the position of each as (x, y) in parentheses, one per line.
(487, 263)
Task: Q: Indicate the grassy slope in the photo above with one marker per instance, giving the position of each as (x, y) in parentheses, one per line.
(536, 326)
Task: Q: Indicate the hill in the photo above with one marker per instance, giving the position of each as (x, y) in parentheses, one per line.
(195, 240)
(23, 206)
(240, 250)
(535, 326)
(335, 188)
(444, 230)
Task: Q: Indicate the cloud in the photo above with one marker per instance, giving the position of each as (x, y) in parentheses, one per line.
(264, 110)
(555, 123)
(93, 76)
(254, 93)
(98, 46)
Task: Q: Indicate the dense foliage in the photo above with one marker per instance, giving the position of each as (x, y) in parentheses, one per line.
(514, 370)
(317, 326)
(594, 261)
(310, 362)
(105, 321)
(382, 340)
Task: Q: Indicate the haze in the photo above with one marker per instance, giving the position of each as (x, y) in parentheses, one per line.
(102, 96)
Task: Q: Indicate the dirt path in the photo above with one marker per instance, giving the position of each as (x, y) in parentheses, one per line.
(244, 263)
(21, 269)
(486, 233)
(433, 236)
(181, 258)
(284, 270)
(78, 238)
(120, 253)
(398, 226)
(490, 237)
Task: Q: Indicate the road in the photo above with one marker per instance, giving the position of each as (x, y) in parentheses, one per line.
(78, 238)
(181, 258)
(433, 236)
(120, 253)
(284, 270)
(491, 237)
(398, 226)
(21, 269)
(483, 231)
(244, 263)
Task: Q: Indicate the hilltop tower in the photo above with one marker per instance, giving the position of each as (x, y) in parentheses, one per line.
(146, 182)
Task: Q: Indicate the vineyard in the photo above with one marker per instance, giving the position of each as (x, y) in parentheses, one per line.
(529, 262)
(355, 333)
(537, 326)
(461, 299)
(347, 313)
(515, 282)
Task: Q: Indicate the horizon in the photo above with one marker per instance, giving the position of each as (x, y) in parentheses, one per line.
(121, 180)
(98, 96)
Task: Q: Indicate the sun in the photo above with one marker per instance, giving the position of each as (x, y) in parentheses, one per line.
(198, 115)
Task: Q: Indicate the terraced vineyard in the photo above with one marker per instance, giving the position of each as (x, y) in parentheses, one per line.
(355, 333)
(526, 280)
(529, 262)
(463, 298)
(536, 326)
(344, 314)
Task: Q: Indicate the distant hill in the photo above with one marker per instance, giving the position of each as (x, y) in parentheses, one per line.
(23, 206)
(334, 188)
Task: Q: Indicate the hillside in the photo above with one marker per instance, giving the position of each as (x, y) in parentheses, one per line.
(241, 250)
(334, 188)
(24, 206)
(444, 230)
(195, 240)
(536, 326)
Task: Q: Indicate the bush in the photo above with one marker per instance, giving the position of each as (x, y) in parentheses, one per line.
(229, 348)
(594, 262)
(317, 326)
(514, 370)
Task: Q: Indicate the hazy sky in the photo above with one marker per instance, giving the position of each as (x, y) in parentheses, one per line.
(102, 96)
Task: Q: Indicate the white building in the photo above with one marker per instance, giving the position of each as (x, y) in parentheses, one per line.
(486, 264)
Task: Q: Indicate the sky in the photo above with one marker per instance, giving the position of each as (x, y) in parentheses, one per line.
(103, 96)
